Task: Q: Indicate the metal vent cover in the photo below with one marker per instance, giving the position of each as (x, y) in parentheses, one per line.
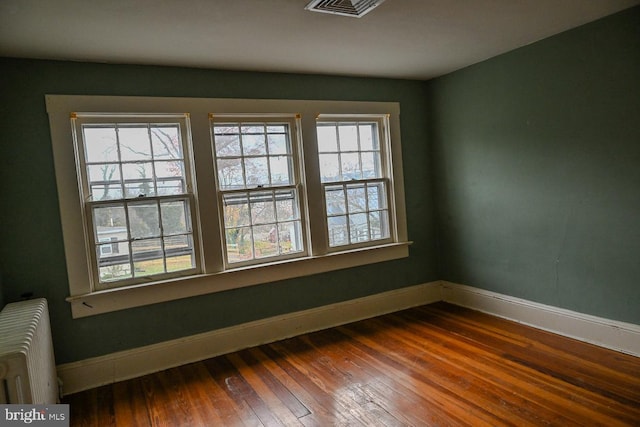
(353, 8)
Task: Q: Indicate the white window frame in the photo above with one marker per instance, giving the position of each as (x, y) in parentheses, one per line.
(386, 170)
(292, 121)
(214, 275)
(78, 121)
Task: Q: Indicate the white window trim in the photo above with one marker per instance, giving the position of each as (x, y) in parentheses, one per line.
(85, 302)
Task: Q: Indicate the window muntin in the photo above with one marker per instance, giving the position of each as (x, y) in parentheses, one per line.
(354, 181)
(136, 188)
(258, 181)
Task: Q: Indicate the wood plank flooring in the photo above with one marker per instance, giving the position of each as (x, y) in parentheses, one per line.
(437, 365)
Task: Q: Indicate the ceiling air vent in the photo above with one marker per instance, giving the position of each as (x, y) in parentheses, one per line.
(353, 8)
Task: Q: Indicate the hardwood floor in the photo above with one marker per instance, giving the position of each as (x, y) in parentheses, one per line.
(433, 365)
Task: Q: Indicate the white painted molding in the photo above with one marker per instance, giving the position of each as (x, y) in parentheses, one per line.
(611, 334)
(110, 368)
(97, 371)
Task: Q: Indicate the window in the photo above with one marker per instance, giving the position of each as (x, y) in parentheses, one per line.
(135, 184)
(259, 186)
(228, 193)
(354, 180)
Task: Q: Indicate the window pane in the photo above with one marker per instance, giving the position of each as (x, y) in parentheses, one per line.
(348, 135)
(290, 237)
(371, 164)
(327, 139)
(100, 144)
(356, 198)
(103, 172)
(239, 244)
(236, 210)
(379, 223)
(104, 181)
(144, 220)
(139, 189)
(165, 141)
(252, 128)
(179, 253)
(368, 136)
(173, 168)
(253, 145)
(265, 240)
(256, 170)
(227, 145)
(262, 208)
(350, 163)
(112, 270)
(278, 143)
(359, 228)
(335, 200)
(338, 231)
(148, 257)
(134, 143)
(167, 187)
(226, 129)
(286, 205)
(230, 174)
(271, 128)
(175, 217)
(105, 192)
(376, 196)
(281, 170)
(109, 221)
(138, 179)
(329, 167)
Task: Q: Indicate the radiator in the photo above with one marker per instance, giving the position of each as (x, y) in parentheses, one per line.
(27, 365)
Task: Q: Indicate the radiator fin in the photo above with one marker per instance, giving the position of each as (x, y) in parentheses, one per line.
(27, 363)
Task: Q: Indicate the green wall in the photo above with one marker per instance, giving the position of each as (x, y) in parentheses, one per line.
(32, 253)
(522, 176)
(537, 156)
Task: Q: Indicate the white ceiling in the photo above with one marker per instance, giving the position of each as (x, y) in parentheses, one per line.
(416, 39)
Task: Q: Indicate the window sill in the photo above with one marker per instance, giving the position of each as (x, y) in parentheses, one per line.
(109, 300)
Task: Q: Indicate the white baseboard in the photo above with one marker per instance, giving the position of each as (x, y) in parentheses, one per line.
(97, 371)
(611, 334)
